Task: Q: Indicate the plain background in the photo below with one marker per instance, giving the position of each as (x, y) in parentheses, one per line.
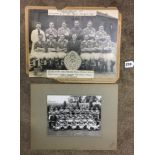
(144, 78)
(107, 138)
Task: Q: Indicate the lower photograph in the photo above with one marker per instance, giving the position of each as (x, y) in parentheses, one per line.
(74, 116)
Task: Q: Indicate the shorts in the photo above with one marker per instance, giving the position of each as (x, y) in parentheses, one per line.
(38, 55)
(96, 56)
(109, 56)
(50, 55)
(61, 55)
(85, 56)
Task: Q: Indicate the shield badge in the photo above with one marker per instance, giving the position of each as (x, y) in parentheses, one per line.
(72, 61)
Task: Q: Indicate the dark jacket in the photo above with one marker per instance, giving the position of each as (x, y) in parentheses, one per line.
(71, 46)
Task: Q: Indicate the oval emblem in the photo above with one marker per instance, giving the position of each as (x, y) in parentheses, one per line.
(72, 61)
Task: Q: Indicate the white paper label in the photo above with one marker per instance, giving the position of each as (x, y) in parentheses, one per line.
(72, 12)
(129, 64)
(70, 74)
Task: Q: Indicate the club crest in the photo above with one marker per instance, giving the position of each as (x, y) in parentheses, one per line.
(72, 61)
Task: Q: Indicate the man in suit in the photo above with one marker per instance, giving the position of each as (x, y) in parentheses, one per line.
(74, 44)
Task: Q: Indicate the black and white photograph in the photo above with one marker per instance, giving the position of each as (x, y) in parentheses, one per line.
(74, 115)
(83, 40)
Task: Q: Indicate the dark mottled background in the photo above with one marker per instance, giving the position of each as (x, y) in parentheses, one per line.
(125, 83)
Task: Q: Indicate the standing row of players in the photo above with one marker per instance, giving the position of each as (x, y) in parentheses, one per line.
(64, 30)
(74, 118)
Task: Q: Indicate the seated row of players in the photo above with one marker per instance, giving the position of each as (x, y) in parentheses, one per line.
(69, 118)
(88, 49)
(51, 45)
(88, 45)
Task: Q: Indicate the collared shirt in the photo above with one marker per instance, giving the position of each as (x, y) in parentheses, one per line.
(35, 33)
(51, 44)
(41, 44)
(87, 44)
(52, 31)
(89, 31)
(62, 44)
(91, 43)
(101, 34)
(63, 31)
(99, 44)
(84, 44)
(107, 44)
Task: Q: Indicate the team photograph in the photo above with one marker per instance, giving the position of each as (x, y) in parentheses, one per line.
(77, 114)
(52, 37)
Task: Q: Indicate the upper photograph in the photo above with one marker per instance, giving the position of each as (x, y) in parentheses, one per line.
(73, 45)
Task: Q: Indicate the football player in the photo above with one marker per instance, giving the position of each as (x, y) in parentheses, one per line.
(40, 45)
(51, 30)
(89, 30)
(64, 30)
(77, 30)
(91, 124)
(62, 44)
(51, 44)
(101, 33)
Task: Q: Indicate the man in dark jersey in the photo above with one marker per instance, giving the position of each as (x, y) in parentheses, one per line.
(77, 30)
